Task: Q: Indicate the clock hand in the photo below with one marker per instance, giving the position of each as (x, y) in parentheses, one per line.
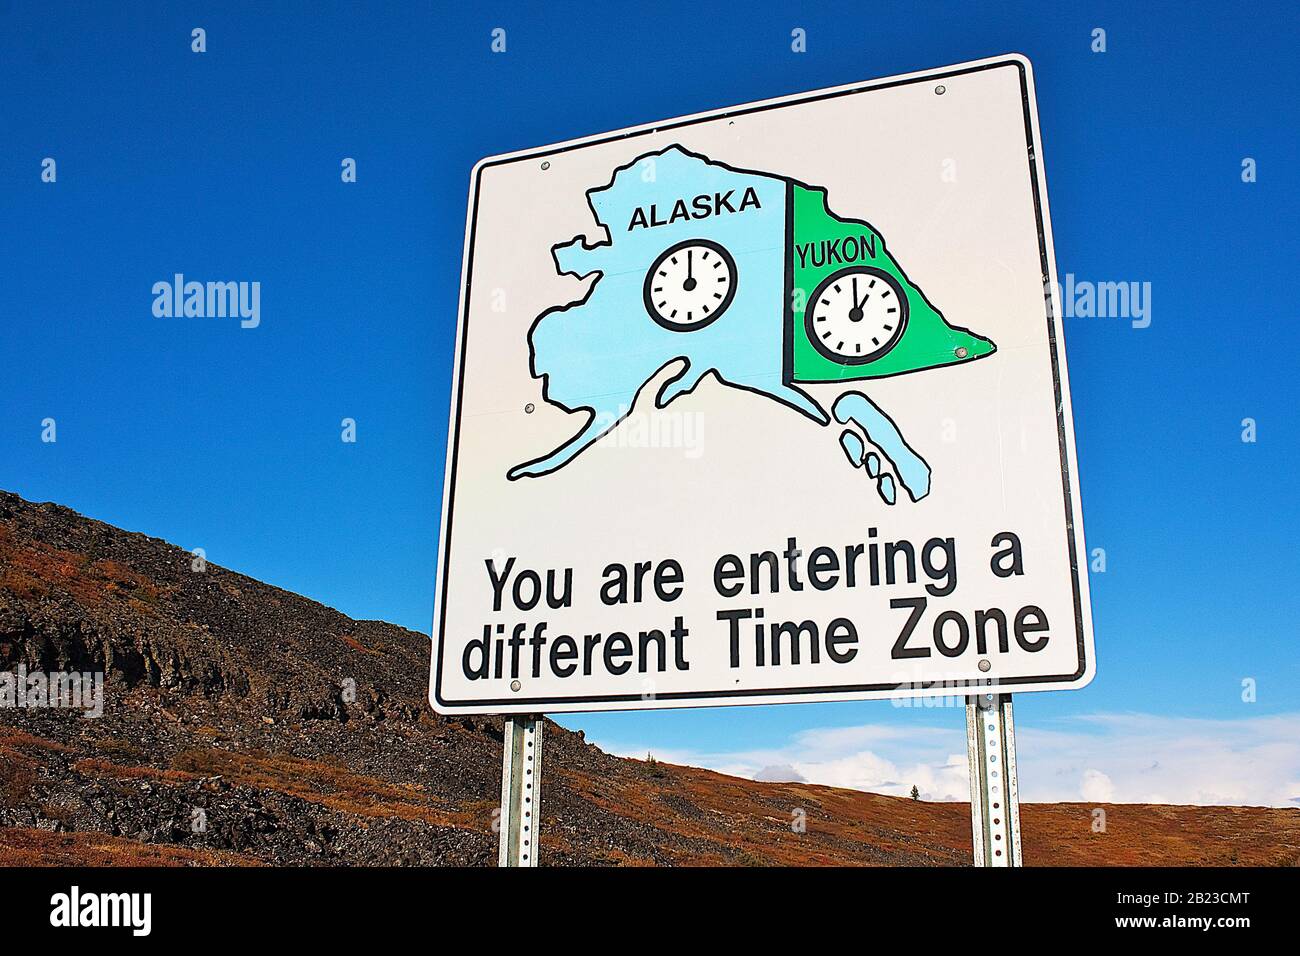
(855, 313)
(857, 303)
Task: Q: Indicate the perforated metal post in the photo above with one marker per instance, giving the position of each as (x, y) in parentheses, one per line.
(521, 791)
(994, 791)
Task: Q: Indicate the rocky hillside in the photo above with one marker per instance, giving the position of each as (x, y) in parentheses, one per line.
(244, 724)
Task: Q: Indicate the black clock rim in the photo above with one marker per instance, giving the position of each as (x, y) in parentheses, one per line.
(669, 324)
(837, 358)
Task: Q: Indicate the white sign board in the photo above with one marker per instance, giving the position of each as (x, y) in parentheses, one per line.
(767, 404)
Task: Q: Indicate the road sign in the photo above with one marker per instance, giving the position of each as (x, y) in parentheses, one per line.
(762, 405)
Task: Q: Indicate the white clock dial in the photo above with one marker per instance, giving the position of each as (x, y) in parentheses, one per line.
(690, 285)
(856, 315)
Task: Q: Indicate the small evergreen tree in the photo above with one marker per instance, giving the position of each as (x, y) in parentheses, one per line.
(916, 794)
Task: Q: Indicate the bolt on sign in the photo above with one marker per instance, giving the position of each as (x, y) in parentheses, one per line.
(765, 404)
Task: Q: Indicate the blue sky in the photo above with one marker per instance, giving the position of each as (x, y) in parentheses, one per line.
(226, 165)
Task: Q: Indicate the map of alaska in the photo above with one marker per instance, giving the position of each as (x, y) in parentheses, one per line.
(748, 276)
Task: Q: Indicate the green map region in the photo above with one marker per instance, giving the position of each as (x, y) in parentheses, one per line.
(825, 245)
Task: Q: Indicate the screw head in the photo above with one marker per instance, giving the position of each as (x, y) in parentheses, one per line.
(985, 665)
(961, 351)
(940, 90)
(515, 685)
(546, 165)
(529, 408)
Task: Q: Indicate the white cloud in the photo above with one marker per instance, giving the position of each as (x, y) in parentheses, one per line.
(780, 773)
(1094, 758)
(1097, 787)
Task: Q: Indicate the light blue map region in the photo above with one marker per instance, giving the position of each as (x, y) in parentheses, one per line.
(597, 354)
(853, 447)
(887, 489)
(913, 472)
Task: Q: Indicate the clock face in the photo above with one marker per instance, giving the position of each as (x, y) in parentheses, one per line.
(690, 285)
(856, 315)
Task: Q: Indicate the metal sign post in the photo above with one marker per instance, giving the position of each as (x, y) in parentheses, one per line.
(994, 791)
(521, 773)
